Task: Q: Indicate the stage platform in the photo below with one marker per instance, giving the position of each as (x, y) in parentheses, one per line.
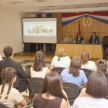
(48, 54)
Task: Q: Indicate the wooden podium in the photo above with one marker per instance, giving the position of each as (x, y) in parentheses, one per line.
(95, 51)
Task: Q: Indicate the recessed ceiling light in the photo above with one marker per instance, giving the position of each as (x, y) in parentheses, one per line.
(16, 2)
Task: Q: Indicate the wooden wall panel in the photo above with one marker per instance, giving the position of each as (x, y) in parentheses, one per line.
(100, 28)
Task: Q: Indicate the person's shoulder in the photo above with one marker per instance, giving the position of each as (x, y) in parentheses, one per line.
(67, 57)
(55, 57)
(81, 72)
(14, 91)
(65, 71)
(91, 62)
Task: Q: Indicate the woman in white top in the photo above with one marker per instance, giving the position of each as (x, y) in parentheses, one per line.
(1, 58)
(39, 69)
(61, 60)
(86, 63)
(95, 93)
(9, 95)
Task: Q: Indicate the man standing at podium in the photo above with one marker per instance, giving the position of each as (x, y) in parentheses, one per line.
(94, 39)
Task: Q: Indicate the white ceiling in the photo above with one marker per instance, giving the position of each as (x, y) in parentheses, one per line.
(53, 6)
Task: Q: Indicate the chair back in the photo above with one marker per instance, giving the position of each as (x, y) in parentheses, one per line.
(3, 106)
(105, 40)
(71, 89)
(35, 86)
(16, 84)
(28, 66)
(87, 72)
(58, 69)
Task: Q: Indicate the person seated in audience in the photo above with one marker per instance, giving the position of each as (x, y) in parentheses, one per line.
(94, 39)
(9, 95)
(86, 63)
(61, 60)
(52, 95)
(67, 39)
(93, 96)
(39, 69)
(74, 74)
(79, 40)
(1, 58)
(102, 67)
(9, 62)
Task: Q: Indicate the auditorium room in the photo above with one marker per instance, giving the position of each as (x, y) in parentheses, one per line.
(53, 53)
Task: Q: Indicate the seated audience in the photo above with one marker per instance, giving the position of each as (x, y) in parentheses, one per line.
(9, 62)
(61, 60)
(79, 40)
(9, 95)
(1, 58)
(67, 39)
(102, 67)
(94, 94)
(74, 74)
(39, 69)
(86, 63)
(52, 95)
(94, 39)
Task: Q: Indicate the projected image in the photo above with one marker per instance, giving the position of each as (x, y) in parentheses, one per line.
(33, 29)
(46, 29)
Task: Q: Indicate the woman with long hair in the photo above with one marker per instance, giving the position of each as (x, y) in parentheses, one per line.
(101, 65)
(61, 60)
(39, 69)
(9, 95)
(52, 95)
(74, 74)
(85, 61)
(93, 96)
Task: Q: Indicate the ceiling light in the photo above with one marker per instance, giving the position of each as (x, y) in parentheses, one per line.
(16, 2)
(41, 0)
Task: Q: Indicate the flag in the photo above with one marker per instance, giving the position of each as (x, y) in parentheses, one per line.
(43, 15)
(79, 30)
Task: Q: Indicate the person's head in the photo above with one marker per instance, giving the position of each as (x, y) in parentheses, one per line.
(52, 85)
(75, 66)
(8, 76)
(39, 61)
(79, 35)
(84, 57)
(97, 85)
(67, 34)
(61, 53)
(94, 33)
(8, 51)
(101, 65)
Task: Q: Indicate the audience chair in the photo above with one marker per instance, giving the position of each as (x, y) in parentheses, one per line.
(3, 106)
(105, 42)
(87, 72)
(58, 69)
(35, 86)
(72, 91)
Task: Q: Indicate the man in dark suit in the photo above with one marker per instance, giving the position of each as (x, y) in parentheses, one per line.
(79, 40)
(9, 62)
(94, 39)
